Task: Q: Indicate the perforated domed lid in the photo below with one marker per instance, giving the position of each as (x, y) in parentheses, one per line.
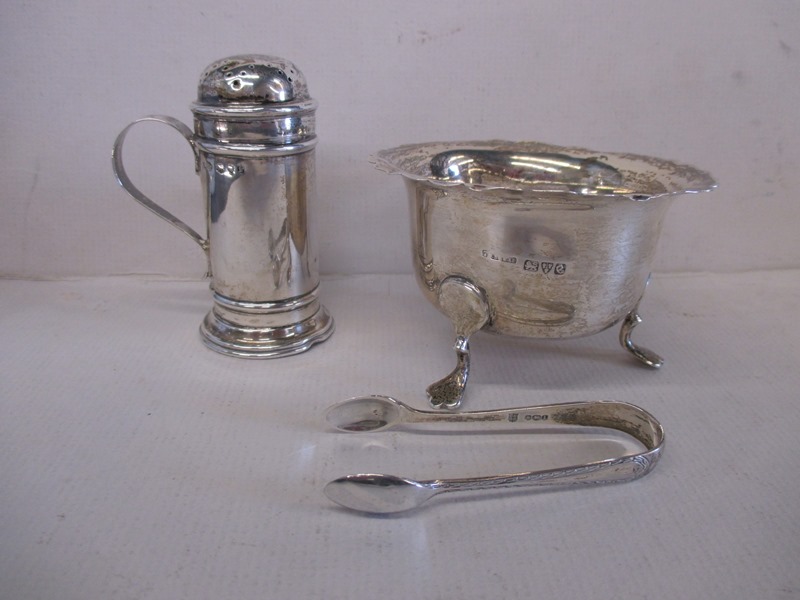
(251, 79)
(254, 99)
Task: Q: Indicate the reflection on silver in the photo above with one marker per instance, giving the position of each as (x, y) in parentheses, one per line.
(377, 493)
(557, 242)
(495, 167)
(253, 142)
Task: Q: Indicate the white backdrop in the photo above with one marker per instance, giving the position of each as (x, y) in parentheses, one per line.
(714, 83)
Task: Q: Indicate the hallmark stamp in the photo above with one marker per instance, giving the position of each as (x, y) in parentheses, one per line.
(528, 264)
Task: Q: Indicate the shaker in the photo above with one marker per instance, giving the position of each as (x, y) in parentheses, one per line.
(253, 142)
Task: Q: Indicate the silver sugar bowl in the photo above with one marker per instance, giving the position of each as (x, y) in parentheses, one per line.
(533, 240)
(253, 142)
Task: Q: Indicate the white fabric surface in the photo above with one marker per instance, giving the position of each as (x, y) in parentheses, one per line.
(138, 464)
